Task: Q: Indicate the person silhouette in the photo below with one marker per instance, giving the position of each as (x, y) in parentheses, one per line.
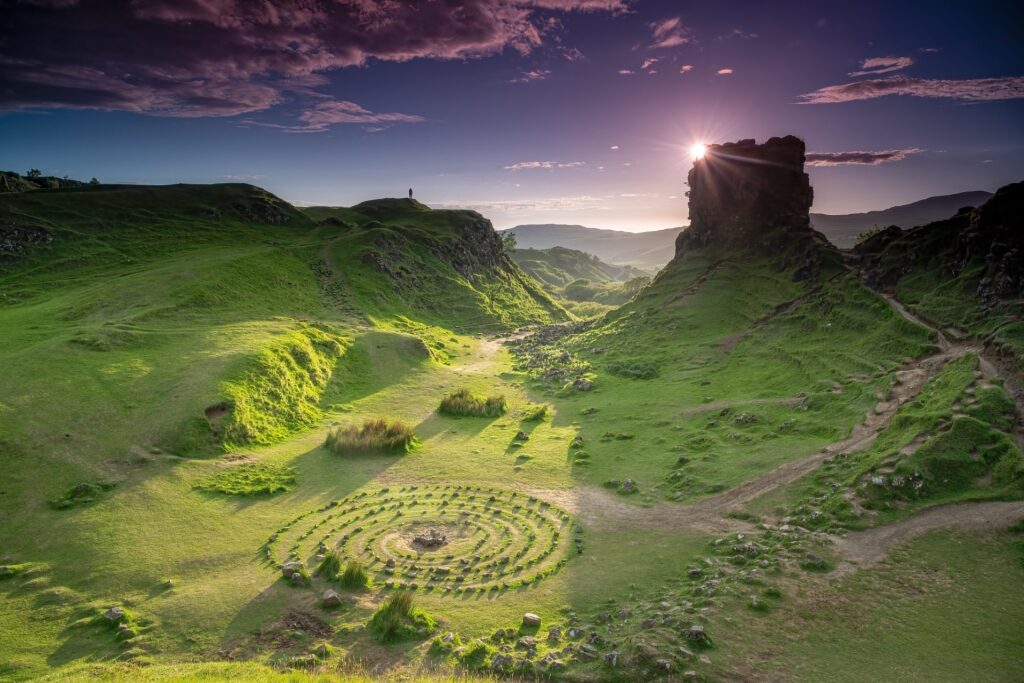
(410, 193)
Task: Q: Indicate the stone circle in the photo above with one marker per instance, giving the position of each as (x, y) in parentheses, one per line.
(446, 538)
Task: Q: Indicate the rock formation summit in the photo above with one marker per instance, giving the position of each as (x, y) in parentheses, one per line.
(751, 196)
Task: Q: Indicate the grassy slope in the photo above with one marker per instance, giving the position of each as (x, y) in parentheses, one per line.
(556, 267)
(735, 335)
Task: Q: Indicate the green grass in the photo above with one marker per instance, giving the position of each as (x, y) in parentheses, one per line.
(250, 479)
(463, 403)
(372, 436)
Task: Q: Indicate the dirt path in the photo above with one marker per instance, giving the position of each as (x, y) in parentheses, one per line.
(866, 548)
(597, 507)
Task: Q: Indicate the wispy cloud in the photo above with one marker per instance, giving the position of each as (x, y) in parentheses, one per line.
(686, 68)
(648, 63)
(669, 33)
(614, 147)
(532, 165)
(626, 72)
(738, 33)
(970, 90)
(530, 76)
(244, 177)
(724, 72)
(339, 112)
(860, 158)
(882, 65)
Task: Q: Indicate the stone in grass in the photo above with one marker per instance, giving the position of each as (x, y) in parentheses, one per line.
(554, 634)
(522, 436)
(331, 599)
(531, 619)
(323, 651)
(114, 614)
(289, 568)
(697, 635)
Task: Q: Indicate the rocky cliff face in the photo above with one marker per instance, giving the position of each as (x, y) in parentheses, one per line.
(749, 196)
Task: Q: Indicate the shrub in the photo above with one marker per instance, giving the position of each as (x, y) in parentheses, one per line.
(463, 403)
(372, 436)
(330, 566)
(398, 619)
(535, 412)
(354, 576)
(636, 370)
(250, 479)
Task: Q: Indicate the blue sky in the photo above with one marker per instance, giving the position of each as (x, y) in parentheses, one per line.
(532, 111)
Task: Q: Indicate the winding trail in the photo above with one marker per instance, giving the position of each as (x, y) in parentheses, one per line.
(597, 507)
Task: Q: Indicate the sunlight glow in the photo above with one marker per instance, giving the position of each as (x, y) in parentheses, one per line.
(697, 150)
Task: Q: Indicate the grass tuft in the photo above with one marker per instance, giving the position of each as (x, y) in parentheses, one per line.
(535, 412)
(463, 403)
(399, 619)
(371, 437)
(330, 566)
(354, 576)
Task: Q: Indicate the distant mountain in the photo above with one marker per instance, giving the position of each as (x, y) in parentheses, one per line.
(843, 230)
(558, 266)
(646, 250)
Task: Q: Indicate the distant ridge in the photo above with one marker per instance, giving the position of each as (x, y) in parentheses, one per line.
(645, 250)
(843, 230)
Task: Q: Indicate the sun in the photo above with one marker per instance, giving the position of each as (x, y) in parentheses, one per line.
(697, 150)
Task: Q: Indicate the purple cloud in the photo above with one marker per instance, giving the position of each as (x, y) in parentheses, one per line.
(725, 72)
(971, 90)
(530, 76)
(882, 65)
(859, 158)
(669, 33)
(229, 57)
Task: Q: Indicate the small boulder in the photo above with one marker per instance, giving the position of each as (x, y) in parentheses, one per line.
(331, 599)
(522, 436)
(531, 619)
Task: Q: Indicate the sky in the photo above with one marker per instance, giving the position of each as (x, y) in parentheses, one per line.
(530, 111)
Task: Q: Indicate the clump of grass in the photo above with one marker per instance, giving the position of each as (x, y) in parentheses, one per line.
(535, 412)
(81, 494)
(250, 479)
(399, 619)
(635, 370)
(464, 403)
(330, 566)
(354, 576)
(372, 436)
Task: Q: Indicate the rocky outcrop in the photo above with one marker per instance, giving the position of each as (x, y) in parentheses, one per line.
(745, 195)
(990, 236)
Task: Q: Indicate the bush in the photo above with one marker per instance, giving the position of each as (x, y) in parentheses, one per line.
(354, 576)
(398, 619)
(372, 436)
(464, 403)
(82, 494)
(330, 566)
(250, 479)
